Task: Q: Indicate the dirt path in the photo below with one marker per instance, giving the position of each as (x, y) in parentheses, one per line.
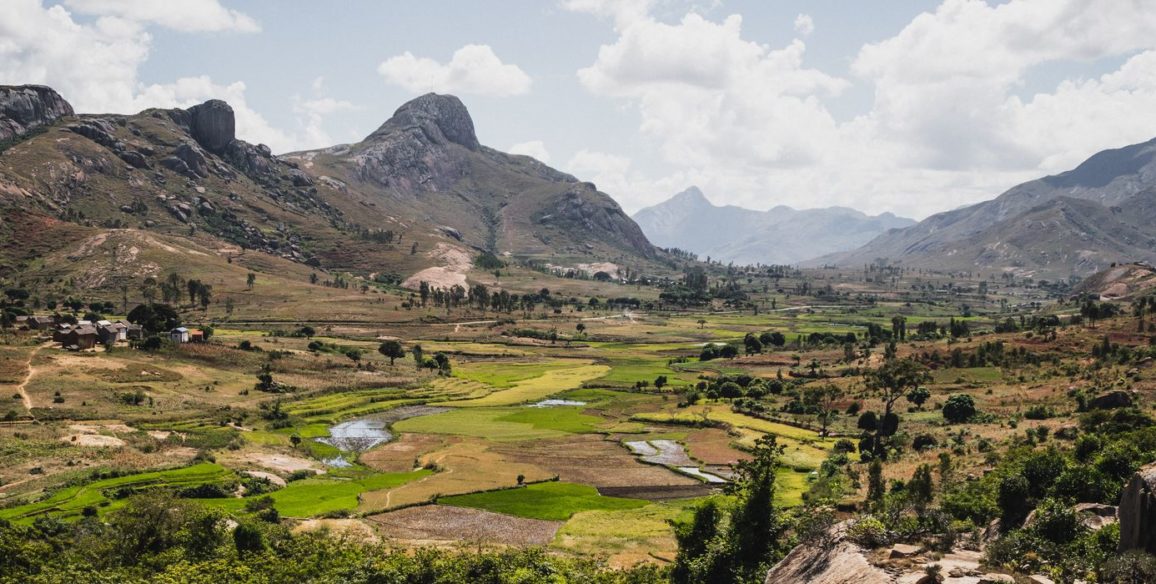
(24, 397)
(458, 326)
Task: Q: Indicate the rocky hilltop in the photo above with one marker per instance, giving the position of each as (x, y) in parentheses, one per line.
(27, 107)
(1074, 223)
(425, 164)
(781, 235)
(416, 191)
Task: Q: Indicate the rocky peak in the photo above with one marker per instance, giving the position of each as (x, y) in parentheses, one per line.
(27, 107)
(692, 197)
(213, 125)
(443, 118)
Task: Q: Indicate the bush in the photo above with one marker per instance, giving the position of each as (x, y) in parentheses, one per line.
(924, 441)
(1013, 500)
(869, 532)
(959, 408)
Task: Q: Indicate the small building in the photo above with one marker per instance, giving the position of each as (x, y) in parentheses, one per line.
(112, 332)
(60, 331)
(196, 336)
(80, 338)
(134, 332)
(179, 335)
(41, 322)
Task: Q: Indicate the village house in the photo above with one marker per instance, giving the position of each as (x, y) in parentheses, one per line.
(80, 338)
(134, 332)
(60, 331)
(113, 332)
(179, 335)
(41, 322)
(196, 336)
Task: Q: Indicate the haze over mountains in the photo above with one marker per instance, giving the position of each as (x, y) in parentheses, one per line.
(1074, 223)
(781, 235)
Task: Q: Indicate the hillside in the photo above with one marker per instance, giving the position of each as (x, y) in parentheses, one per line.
(418, 194)
(781, 235)
(1074, 223)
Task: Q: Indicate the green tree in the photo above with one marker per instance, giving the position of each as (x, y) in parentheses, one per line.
(895, 378)
(250, 280)
(393, 350)
(959, 408)
(418, 356)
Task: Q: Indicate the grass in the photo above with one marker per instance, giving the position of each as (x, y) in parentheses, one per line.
(68, 503)
(503, 424)
(504, 375)
(627, 535)
(537, 388)
(552, 501)
(324, 494)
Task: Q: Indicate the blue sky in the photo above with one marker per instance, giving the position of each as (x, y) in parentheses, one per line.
(908, 106)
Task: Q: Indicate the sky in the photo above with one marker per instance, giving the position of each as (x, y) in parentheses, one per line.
(905, 106)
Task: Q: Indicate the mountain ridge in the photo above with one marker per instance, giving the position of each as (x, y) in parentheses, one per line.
(1112, 189)
(780, 235)
(418, 189)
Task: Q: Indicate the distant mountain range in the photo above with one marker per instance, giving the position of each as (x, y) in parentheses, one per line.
(781, 235)
(1075, 223)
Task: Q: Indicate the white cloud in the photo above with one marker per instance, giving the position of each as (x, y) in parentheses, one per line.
(707, 93)
(534, 148)
(312, 114)
(622, 12)
(948, 124)
(804, 24)
(183, 15)
(473, 69)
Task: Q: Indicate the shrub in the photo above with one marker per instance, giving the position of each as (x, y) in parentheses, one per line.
(959, 408)
(1013, 499)
(869, 532)
(924, 441)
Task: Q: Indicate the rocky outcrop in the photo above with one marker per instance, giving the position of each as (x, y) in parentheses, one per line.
(213, 125)
(1111, 400)
(414, 151)
(842, 563)
(24, 108)
(441, 118)
(1137, 512)
(584, 208)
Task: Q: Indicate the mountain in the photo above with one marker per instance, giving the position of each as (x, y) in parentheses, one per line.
(419, 193)
(1075, 223)
(781, 235)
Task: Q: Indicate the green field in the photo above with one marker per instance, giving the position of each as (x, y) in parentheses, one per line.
(324, 494)
(503, 424)
(551, 501)
(68, 503)
(536, 388)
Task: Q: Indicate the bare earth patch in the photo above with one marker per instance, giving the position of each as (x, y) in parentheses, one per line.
(93, 440)
(272, 478)
(352, 529)
(437, 523)
(399, 455)
(592, 460)
(456, 263)
(281, 462)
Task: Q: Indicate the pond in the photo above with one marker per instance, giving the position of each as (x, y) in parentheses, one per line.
(361, 434)
(556, 403)
(672, 455)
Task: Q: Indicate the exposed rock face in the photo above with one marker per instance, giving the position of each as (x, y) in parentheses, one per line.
(442, 118)
(582, 208)
(1111, 400)
(212, 124)
(26, 107)
(412, 152)
(842, 562)
(1138, 512)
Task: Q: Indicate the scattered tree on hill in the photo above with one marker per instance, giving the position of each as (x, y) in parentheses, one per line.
(959, 408)
(418, 356)
(822, 400)
(752, 343)
(250, 280)
(394, 350)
